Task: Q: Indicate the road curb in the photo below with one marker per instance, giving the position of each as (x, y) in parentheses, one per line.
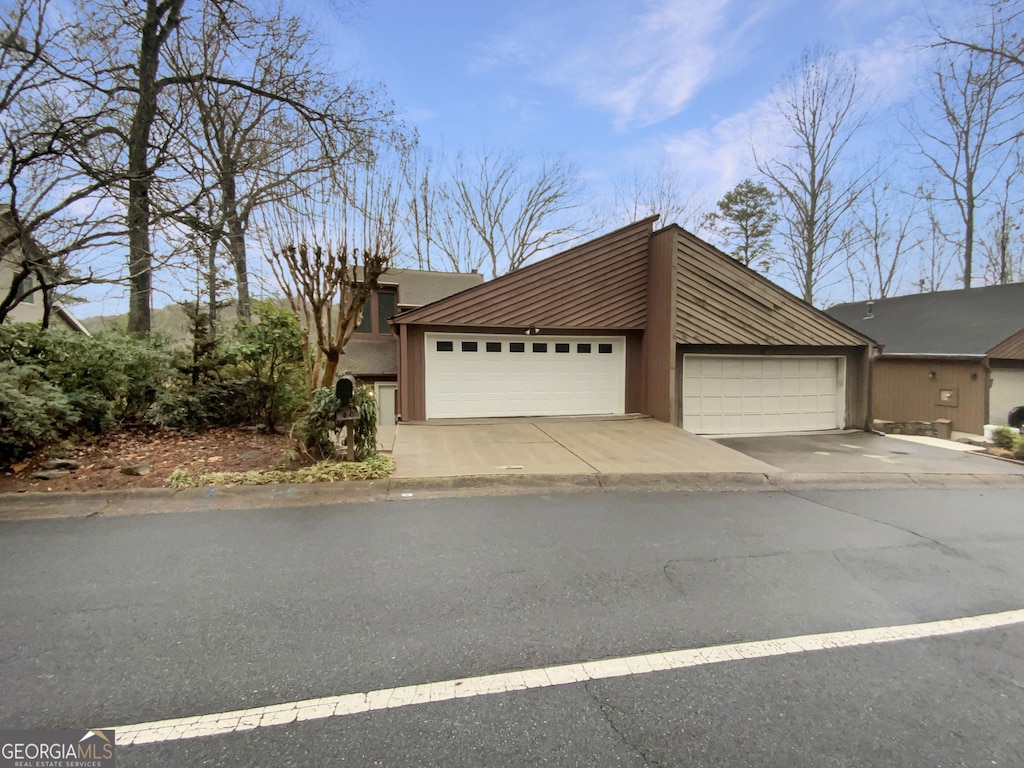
(30, 506)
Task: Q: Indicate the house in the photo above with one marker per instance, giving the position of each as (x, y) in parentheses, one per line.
(955, 355)
(635, 321)
(372, 352)
(30, 307)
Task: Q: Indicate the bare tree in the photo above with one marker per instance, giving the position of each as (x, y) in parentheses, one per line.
(327, 276)
(817, 113)
(744, 222)
(658, 191)
(422, 206)
(1002, 247)
(999, 35)
(884, 236)
(50, 138)
(250, 148)
(935, 262)
(510, 213)
(976, 108)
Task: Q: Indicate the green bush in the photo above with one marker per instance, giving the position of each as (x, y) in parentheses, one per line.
(1003, 437)
(33, 412)
(312, 430)
(270, 356)
(187, 408)
(366, 425)
(109, 378)
(1018, 448)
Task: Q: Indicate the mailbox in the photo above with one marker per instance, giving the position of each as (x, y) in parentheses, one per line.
(344, 390)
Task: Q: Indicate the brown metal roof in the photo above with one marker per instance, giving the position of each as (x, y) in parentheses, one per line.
(1009, 349)
(720, 301)
(599, 284)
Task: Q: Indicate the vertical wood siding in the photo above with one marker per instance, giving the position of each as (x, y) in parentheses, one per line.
(904, 391)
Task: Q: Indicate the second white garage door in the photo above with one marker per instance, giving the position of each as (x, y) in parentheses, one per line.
(474, 375)
(1007, 392)
(736, 395)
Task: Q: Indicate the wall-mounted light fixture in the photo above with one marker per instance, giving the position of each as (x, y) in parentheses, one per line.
(532, 330)
(931, 374)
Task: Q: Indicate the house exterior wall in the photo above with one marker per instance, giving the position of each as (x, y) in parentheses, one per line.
(659, 359)
(905, 390)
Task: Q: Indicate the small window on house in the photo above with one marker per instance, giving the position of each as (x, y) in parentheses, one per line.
(366, 321)
(516, 346)
(469, 346)
(25, 290)
(445, 346)
(494, 346)
(561, 348)
(583, 349)
(604, 349)
(386, 301)
(540, 346)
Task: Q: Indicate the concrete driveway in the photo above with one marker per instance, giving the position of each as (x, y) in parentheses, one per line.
(863, 452)
(560, 446)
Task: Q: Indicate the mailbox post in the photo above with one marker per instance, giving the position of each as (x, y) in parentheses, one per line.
(346, 415)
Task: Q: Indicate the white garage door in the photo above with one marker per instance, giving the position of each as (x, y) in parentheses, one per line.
(735, 395)
(1007, 392)
(471, 375)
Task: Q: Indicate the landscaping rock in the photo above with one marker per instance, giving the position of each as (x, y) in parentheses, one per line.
(49, 474)
(70, 464)
(137, 470)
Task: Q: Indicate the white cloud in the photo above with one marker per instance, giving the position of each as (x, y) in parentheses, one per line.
(643, 66)
(719, 157)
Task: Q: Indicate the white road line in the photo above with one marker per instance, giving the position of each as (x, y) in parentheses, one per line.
(566, 674)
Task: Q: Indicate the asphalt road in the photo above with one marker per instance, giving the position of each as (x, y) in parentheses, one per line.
(109, 621)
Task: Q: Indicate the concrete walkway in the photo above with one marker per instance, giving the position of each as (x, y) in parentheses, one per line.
(589, 446)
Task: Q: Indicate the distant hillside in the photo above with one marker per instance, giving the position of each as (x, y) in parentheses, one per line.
(169, 321)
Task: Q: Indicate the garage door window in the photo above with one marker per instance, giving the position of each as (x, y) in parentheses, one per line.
(540, 346)
(561, 348)
(604, 349)
(445, 346)
(516, 346)
(494, 346)
(583, 349)
(469, 346)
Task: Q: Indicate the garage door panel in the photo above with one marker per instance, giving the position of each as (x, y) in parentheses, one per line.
(550, 376)
(775, 394)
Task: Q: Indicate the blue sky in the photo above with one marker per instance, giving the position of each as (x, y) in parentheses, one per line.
(616, 84)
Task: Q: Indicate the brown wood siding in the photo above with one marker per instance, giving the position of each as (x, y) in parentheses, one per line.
(412, 394)
(1010, 349)
(857, 371)
(634, 372)
(719, 301)
(659, 363)
(601, 284)
(903, 390)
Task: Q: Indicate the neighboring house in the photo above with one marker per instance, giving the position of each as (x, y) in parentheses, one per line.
(30, 308)
(955, 355)
(636, 321)
(372, 353)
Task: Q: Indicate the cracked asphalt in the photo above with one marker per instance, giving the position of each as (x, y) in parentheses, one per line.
(144, 617)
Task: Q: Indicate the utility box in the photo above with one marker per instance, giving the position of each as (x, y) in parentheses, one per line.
(943, 428)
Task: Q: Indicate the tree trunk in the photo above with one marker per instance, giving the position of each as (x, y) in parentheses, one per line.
(159, 22)
(236, 241)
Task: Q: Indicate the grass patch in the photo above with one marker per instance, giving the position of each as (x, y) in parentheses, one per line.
(376, 467)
